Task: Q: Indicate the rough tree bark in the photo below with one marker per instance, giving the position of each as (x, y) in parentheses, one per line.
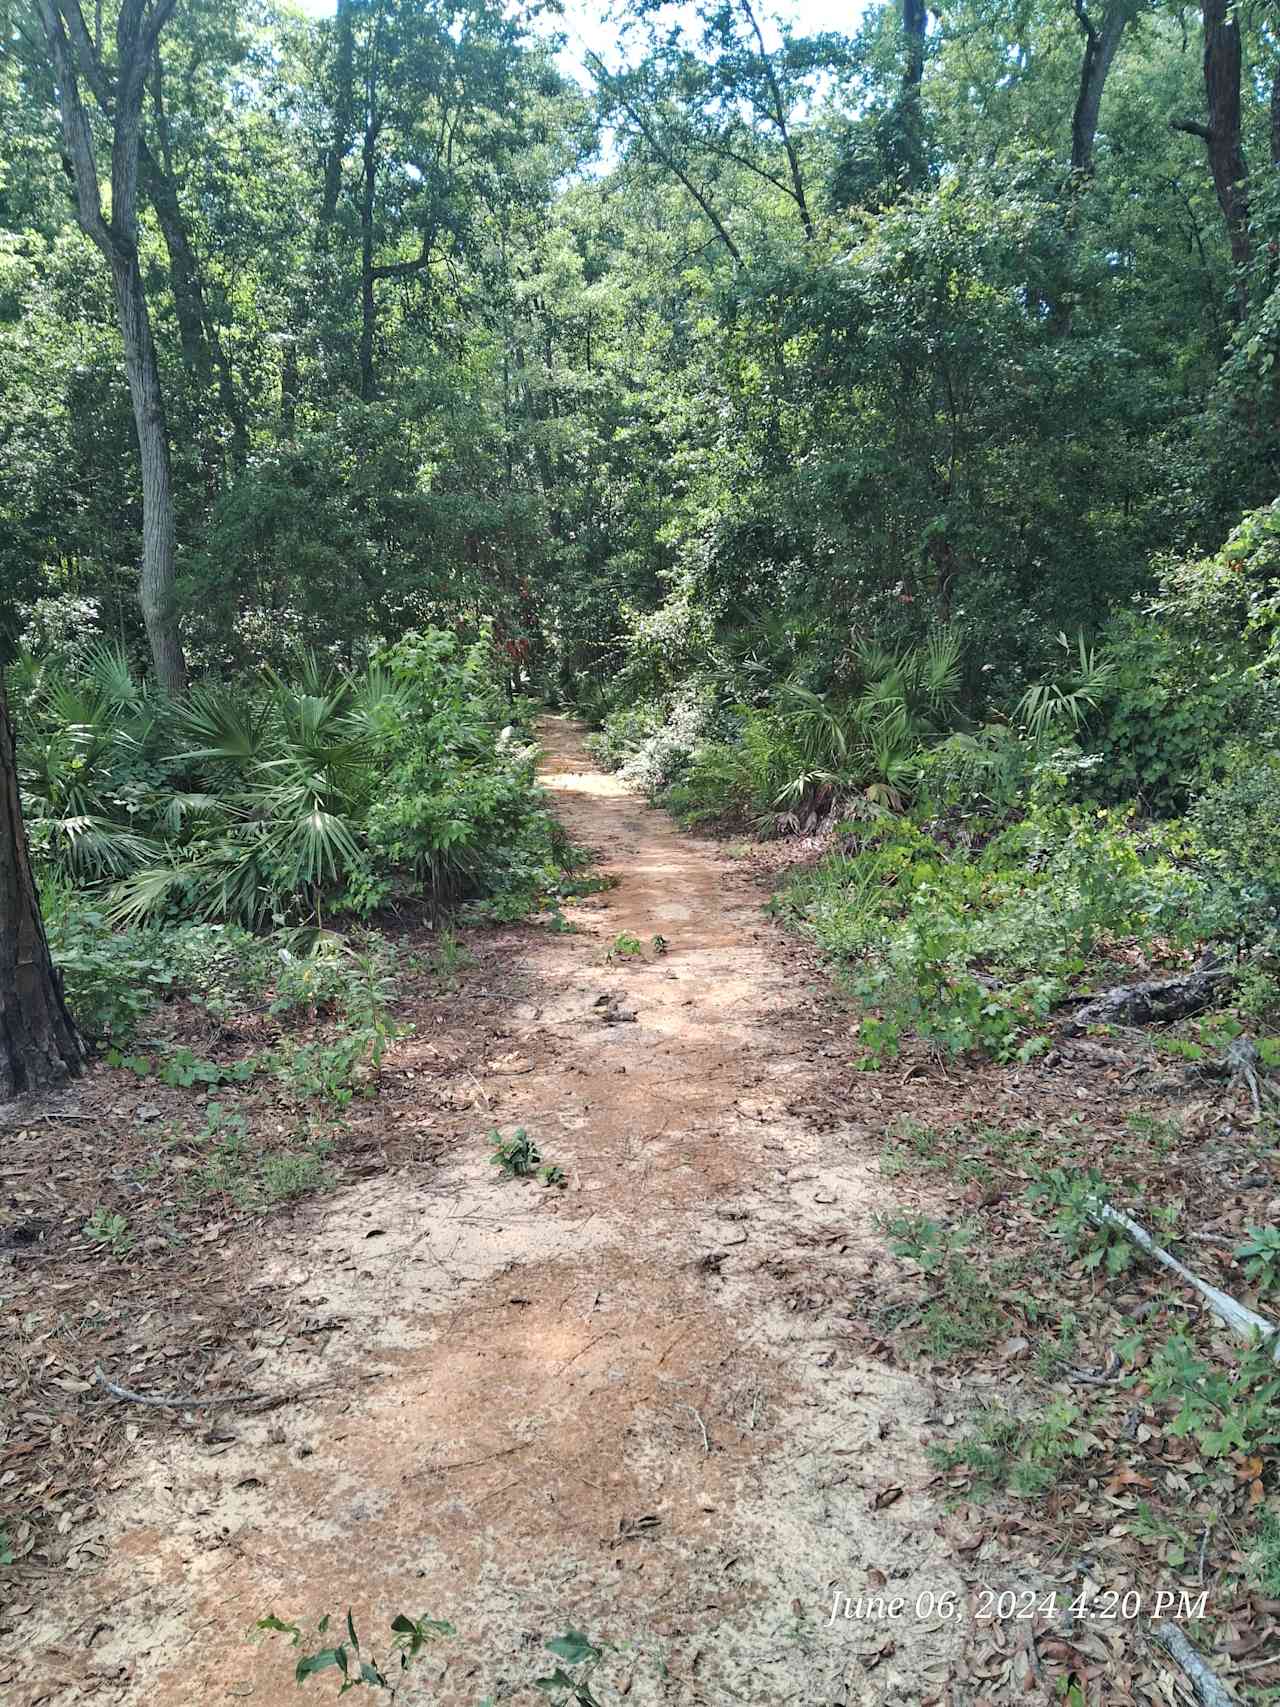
(1100, 47)
(1155, 1000)
(75, 60)
(915, 23)
(1221, 136)
(39, 1044)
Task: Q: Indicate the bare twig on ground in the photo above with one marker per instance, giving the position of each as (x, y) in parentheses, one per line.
(697, 1417)
(178, 1401)
(470, 1463)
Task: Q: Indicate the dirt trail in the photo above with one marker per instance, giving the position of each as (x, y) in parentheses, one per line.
(525, 1378)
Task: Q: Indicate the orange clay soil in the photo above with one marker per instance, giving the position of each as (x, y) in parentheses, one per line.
(630, 1406)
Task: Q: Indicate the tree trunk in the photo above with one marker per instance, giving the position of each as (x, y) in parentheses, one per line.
(203, 351)
(39, 1044)
(1100, 47)
(157, 581)
(184, 278)
(915, 19)
(1275, 119)
(74, 57)
(343, 115)
(1222, 74)
(915, 22)
(289, 387)
(368, 300)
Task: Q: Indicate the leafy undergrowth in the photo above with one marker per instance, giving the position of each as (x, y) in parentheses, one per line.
(968, 935)
(272, 1076)
(1121, 1438)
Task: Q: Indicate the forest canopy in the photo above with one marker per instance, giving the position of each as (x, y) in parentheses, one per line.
(968, 316)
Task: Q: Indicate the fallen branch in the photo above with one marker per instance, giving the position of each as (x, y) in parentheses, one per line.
(178, 1401)
(1208, 1690)
(1157, 1001)
(1238, 1317)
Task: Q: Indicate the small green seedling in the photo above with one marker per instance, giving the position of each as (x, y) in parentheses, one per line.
(517, 1156)
(1260, 1255)
(626, 947)
(658, 944)
(111, 1231)
(572, 1688)
(553, 1175)
(409, 1636)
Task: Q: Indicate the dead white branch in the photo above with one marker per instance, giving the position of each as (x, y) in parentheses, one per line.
(1244, 1322)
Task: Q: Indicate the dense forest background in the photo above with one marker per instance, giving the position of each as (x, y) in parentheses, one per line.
(969, 317)
(880, 420)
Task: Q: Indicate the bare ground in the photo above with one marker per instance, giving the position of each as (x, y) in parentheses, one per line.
(626, 1406)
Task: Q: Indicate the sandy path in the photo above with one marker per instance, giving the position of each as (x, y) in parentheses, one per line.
(525, 1374)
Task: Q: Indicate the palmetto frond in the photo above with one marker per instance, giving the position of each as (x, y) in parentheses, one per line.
(91, 847)
(225, 724)
(315, 848)
(109, 670)
(1066, 702)
(375, 704)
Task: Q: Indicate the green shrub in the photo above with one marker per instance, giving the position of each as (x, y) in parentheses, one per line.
(985, 770)
(274, 801)
(622, 733)
(1237, 822)
(1264, 1562)
(111, 979)
(784, 764)
(1197, 670)
(1168, 716)
(970, 946)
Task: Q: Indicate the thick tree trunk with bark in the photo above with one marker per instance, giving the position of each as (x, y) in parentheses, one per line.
(1100, 47)
(39, 1044)
(1223, 62)
(1222, 76)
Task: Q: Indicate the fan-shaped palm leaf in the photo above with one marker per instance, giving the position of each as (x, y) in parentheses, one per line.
(226, 725)
(92, 847)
